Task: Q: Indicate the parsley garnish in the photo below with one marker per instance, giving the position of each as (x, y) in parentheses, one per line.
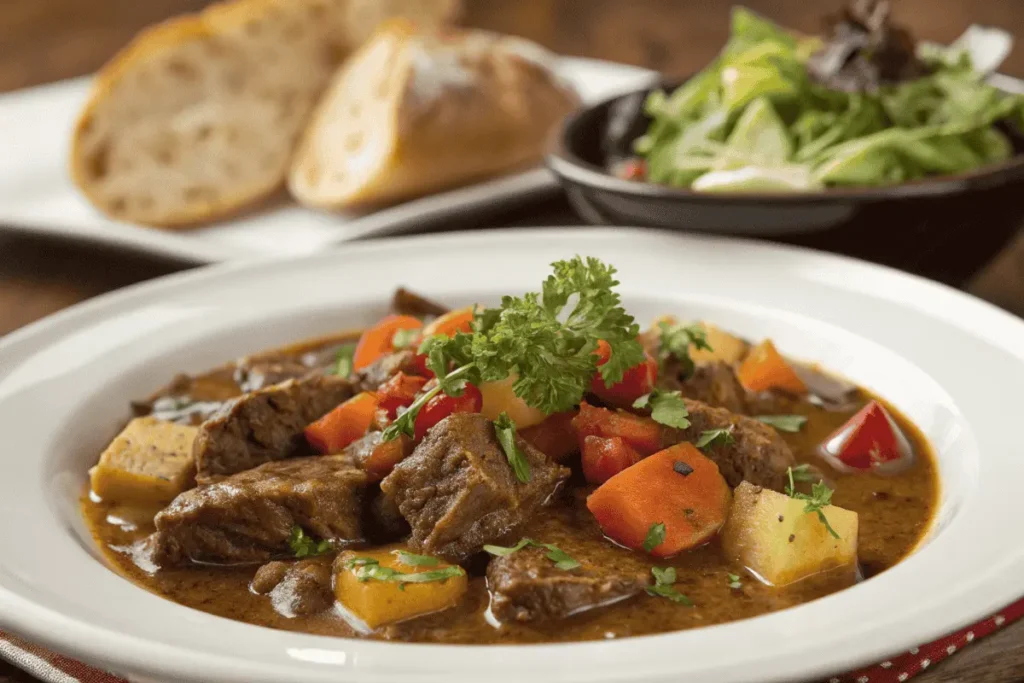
(784, 423)
(820, 496)
(343, 360)
(662, 588)
(655, 536)
(667, 408)
(366, 569)
(405, 338)
(414, 560)
(734, 581)
(712, 438)
(675, 341)
(562, 559)
(537, 338)
(505, 430)
(306, 546)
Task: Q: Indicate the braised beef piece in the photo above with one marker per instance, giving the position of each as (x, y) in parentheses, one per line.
(253, 374)
(372, 376)
(757, 453)
(716, 384)
(410, 303)
(249, 517)
(458, 492)
(264, 425)
(296, 588)
(384, 522)
(527, 586)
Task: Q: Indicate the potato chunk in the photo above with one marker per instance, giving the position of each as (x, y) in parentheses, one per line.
(378, 602)
(149, 462)
(770, 534)
(725, 346)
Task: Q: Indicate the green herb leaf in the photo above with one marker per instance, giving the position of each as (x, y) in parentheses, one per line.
(505, 430)
(343, 360)
(675, 341)
(664, 578)
(784, 423)
(502, 551)
(562, 559)
(734, 581)
(819, 497)
(655, 537)
(303, 545)
(414, 560)
(376, 572)
(667, 408)
(405, 338)
(712, 438)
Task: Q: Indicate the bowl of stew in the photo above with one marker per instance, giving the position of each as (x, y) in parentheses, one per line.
(573, 470)
(861, 142)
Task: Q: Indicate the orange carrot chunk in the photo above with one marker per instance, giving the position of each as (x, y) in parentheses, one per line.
(343, 425)
(450, 323)
(386, 455)
(671, 501)
(764, 368)
(379, 340)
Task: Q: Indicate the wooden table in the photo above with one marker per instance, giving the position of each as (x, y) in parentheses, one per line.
(50, 39)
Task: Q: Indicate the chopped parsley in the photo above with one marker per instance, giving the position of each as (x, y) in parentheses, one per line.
(505, 430)
(664, 578)
(343, 360)
(414, 560)
(819, 497)
(548, 346)
(712, 438)
(784, 423)
(675, 341)
(303, 545)
(562, 559)
(655, 536)
(369, 569)
(800, 473)
(405, 338)
(667, 408)
(734, 581)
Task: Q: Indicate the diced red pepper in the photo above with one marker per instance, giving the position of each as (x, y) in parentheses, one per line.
(554, 437)
(642, 433)
(399, 392)
(636, 382)
(418, 366)
(343, 425)
(870, 440)
(443, 405)
(385, 455)
(633, 169)
(604, 458)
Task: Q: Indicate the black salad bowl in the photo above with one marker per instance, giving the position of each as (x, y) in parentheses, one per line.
(945, 228)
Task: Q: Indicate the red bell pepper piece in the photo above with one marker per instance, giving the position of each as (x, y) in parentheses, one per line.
(604, 458)
(343, 425)
(642, 433)
(399, 392)
(870, 440)
(554, 437)
(443, 405)
(636, 382)
(385, 455)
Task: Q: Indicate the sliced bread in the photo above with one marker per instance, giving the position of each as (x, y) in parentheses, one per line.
(415, 112)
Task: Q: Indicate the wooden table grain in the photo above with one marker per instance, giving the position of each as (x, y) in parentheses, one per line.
(45, 40)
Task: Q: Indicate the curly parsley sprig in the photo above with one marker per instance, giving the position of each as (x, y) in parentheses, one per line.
(546, 340)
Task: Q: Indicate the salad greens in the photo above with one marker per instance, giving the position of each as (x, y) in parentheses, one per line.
(757, 118)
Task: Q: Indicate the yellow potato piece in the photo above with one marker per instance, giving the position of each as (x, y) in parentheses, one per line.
(770, 534)
(378, 603)
(725, 346)
(149, 462)
(499, 397)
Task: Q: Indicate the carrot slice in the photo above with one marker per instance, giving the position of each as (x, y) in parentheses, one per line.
(603, 458)
(343, 425)
(678, 487)
(642, 433)
(450, 323)
(554, 437)
(378, 340)
(385, 456)
(764, 368)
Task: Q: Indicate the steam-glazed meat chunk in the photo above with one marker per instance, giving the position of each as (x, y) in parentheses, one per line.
(264, 425)
(296, 588)
(716, 384)
(249, 517)
(458, 492)
(374, 375)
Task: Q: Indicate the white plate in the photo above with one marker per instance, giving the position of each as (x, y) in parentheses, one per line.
(939, 355)
(36, 193)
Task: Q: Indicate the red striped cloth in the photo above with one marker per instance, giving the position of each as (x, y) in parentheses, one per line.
(54, 668)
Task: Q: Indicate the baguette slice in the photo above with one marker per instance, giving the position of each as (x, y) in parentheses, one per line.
(413, 113)
(198, 117)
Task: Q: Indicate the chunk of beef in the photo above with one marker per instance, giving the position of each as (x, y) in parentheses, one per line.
(527, 586)
(385, 523)
(249, 517)
(296, 588)
(411, 303)
(253, 374)
(757, 453)
(372, 376)
(264, 425)
(458, 492)
(715, 383)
